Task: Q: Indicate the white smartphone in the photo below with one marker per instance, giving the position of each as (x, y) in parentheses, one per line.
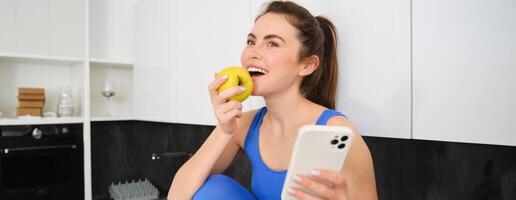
(317, 147)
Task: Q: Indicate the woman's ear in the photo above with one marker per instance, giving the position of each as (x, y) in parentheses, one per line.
(309, 65)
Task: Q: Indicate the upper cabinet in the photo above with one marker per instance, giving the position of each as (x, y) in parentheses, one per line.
(43, 27)
(374, 89)
(154, 56)
(464, 71)
(8, 26)
(180, 46)
(205, 44)
(112, 30)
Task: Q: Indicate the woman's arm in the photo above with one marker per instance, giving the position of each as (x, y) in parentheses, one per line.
(190, 177)
(358, 171)
(216, 153)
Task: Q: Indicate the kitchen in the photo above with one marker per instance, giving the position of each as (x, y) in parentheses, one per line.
(429, 84)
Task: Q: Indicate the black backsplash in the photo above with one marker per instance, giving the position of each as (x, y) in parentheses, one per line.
(404, 169)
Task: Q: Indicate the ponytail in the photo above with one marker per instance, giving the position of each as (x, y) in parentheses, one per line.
(321, 86)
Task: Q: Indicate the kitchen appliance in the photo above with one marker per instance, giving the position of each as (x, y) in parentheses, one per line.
(41, 162)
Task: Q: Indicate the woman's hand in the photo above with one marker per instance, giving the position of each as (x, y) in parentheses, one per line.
(225, 111)
(326, 184)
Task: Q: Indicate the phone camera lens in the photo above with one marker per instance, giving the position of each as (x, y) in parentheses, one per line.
(344, 138)
(334, 141)
(341, 146)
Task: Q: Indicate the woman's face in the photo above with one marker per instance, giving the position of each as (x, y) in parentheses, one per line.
(272, 50)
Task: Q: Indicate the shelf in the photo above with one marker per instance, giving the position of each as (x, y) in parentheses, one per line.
(110, 63)
(117, 118)
(39, 120)
(39, 58)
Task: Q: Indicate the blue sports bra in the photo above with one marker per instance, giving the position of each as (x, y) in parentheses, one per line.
(267, 183)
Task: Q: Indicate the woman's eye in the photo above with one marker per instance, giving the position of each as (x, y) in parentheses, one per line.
(272, 44)
(250, 42)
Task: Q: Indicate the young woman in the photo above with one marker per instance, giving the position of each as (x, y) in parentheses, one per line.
(296, 54)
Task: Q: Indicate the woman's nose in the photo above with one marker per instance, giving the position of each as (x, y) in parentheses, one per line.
(254, 53)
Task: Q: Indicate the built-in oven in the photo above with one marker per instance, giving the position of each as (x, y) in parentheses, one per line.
(41, 162)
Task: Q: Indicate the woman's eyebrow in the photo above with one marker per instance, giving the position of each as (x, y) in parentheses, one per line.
(270, 36)
(273, 36)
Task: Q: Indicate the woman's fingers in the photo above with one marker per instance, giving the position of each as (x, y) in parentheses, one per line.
(230, 92)
(228, 106)
(323, 190)
(324, 184)
(230, 115)
(215, 84)
(301, 195)
(333, 177)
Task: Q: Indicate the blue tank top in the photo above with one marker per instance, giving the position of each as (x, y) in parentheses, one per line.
(267, 183)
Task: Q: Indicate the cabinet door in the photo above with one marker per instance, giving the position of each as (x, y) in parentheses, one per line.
(464, 71)
(67, 22)
(374, 88)
(111, 27)
(32, 19)
(209, 38)
(7, 25)
(153, 68)
(51, 27)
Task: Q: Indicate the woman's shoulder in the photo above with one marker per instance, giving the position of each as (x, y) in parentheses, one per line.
(340, 120)
(244, 122)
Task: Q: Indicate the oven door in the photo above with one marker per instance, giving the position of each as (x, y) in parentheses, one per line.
(42, 172)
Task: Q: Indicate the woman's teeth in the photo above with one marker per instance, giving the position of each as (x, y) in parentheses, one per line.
(256, 71)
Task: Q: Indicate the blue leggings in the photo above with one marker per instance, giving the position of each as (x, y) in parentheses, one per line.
(221, 187)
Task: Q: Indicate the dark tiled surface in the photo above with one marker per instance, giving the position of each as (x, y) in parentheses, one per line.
(416, 169)
(123, 150)
(405, 169)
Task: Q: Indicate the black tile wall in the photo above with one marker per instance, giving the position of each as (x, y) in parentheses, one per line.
(405, 169)
(416, 169)
(123, 151)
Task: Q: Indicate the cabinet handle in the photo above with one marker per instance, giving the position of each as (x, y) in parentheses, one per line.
(8, 150)
(156, 156)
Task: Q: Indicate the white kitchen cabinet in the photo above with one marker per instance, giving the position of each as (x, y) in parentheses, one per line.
(205, 44)
(112, 30)
(50, 27)
(154, 55)
(67, 32)
(184, 45)
(374, 88)
(7, 25)
(464, 73)
(33, 29)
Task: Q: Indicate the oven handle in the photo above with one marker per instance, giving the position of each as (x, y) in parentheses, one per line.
(70, 146)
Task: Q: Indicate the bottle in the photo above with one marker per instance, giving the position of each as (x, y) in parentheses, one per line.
(65, 102)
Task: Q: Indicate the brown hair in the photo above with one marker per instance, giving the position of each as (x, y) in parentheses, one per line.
(318, 36)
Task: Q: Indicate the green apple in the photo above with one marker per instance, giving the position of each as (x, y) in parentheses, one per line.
(237, 76)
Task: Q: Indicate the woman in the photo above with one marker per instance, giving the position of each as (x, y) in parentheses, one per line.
(294, 56)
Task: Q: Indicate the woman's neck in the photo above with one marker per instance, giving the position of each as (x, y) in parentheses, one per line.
(287, 110)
